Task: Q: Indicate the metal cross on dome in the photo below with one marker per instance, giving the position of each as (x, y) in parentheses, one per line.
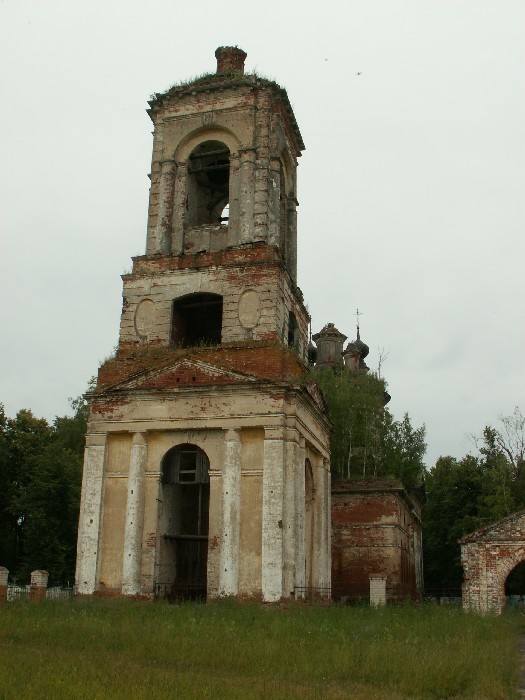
(357, 314)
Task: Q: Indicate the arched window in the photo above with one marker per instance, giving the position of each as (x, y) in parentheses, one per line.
(185, 464)
(208, 183)
(196, 320)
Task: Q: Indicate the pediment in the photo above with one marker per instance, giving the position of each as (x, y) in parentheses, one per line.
(510, 528)
(184, 373)
(317, 395)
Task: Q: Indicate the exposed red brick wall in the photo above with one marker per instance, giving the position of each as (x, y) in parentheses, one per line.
(271, 363)
(488, 556)
(372, 526)
(246, 255)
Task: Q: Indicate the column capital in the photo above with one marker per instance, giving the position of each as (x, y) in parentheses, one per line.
(96, 440)
(232, 434)
(274, 432)
(167, 165)
(139, 438)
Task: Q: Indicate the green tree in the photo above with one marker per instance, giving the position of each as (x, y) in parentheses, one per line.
(40, 477)
(366, 440)
(464, 495)
(453, 490)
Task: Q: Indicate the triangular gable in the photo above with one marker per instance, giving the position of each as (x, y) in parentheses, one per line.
(317, 395)
(511, 527)
(183, 374)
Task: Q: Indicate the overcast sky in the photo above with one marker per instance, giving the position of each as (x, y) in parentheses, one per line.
(411, 187)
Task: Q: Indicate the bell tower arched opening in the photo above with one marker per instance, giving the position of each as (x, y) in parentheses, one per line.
(185, 498)
(208, 185)
(196, 319)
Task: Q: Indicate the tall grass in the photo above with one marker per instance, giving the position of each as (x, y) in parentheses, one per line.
(102, 649)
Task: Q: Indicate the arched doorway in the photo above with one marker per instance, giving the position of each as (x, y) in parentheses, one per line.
(515, 586)
(185, 498)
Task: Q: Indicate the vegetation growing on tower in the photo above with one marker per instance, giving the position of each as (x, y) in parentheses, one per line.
(366, 440)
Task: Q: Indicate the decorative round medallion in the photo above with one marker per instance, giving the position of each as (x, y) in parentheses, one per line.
(145, 318)
(249, 309)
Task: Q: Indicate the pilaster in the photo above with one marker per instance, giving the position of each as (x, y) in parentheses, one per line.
(300, 573)
(231, 521)
(165, 212)
(90, 511)
(272, 515)
(289, 508)
(246, 202)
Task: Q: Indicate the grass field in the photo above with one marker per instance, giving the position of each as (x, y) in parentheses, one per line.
(102, 649)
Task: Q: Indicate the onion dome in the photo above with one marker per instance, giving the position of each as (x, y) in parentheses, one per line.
(355, 354)
(362, 347)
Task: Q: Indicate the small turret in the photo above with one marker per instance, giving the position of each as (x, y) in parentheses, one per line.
(329, 343)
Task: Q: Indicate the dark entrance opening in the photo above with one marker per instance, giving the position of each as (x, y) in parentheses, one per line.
(186, 500)
(197, 320)
(515, 586)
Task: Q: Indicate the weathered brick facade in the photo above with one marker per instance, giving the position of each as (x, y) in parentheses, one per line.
(488, 556)
(203, 436)
(376, 533)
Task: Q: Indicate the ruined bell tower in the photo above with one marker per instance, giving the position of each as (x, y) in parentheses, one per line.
(206, 469)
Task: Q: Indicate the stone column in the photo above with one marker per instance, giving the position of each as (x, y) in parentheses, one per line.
(38, 588)
(165, 212)
(234, 199)
(214, 533)
(291, 236)
(276, 237)
(272, 515)
(231, 514)
(179, 210)
(377, 590)
(289, 509)
(300, 574)
(327, 526)
(132, 555)
(247, 195)
(319, 562)
(4, 573)
(90, 508)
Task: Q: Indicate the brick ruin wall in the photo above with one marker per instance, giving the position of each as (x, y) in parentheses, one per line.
(487, 559)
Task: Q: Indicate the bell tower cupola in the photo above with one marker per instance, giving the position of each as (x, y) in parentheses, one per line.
(220, 265)
(225, 149)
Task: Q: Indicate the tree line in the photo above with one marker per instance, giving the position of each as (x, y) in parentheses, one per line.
(40, 478)
(472, 492)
